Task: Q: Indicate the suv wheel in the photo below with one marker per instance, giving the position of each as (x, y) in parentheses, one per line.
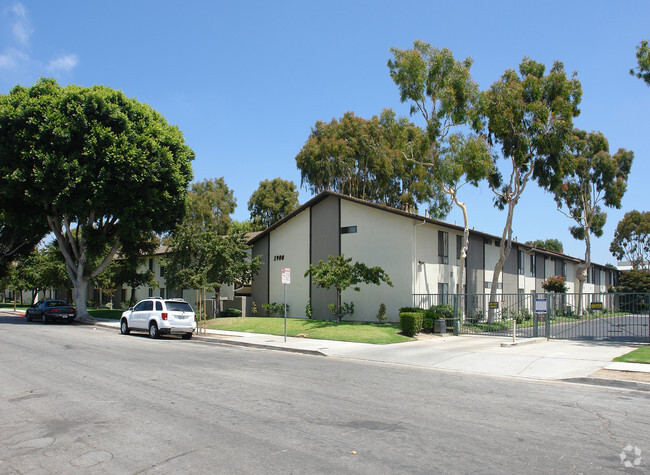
(124, 327)
(153, 330)
(186, 336)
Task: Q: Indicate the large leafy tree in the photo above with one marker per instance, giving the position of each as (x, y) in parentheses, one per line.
(205, 251)
(441, 90)
(340, 273)
(632, 239)
(366, 159)
(272, 201)
(642, 69)
(530, 114)
(596, 178)
(18, 236)
(102, 169)
(211, 204)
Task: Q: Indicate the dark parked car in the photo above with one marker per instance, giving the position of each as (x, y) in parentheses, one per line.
(50, 310)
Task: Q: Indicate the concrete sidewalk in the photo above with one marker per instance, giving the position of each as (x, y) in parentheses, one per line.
(563, 360)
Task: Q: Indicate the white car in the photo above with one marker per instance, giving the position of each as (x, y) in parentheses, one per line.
(160, 316)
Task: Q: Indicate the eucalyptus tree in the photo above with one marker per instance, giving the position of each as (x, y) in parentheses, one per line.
(530, 115)
(596, 178)
(642, 69)
(101, 169)
(632, 239)
(272, 201)
(365, 159)
(441, 90)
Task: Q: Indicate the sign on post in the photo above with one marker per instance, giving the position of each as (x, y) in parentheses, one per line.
(286, 275)
(540, 305)
(286, 279)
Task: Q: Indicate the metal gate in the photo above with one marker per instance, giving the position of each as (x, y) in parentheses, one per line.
(595, 317)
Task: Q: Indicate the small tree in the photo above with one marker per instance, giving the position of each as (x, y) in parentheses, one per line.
(340, 273)
(555, 283)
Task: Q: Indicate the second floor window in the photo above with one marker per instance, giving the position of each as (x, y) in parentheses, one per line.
(443, 247)
(533, 265)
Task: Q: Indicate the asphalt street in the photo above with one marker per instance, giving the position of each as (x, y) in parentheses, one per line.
(77, 399)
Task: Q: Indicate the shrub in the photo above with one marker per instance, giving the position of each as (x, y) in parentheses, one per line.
(308, 309)
(411, 309)
(427, 323)
(410, 323)
(231, 312)
(274, 309)
(344, 309)
(254, 308)
(381, 316)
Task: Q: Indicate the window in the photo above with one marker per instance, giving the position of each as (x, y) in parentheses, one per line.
(443, 291)
(533, 265)
(151, 265)
(520, 261)
(162, 271)
(348, 229)
(159, 306)
(150, 292)
(443, 247)
(162, 292)
(459, 247)
(564, 269)
(123, 295)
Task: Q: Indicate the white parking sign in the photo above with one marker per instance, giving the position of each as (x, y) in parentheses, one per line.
(286, 275)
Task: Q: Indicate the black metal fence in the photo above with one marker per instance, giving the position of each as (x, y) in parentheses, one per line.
(613, 317)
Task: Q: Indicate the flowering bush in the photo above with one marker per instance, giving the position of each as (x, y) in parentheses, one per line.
(555, 283)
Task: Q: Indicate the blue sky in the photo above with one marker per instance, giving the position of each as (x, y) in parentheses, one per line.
(246, 81)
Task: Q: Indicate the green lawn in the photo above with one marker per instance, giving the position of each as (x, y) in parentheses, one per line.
(640, 355)
(345, 331)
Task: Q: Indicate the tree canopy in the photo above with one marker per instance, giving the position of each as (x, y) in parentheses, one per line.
(272, 201)
(553, 245)
(210, 204)
(642, 69)
(595, 178)
(632, 239)
(442, 91)
(367, 159)
(529, 115)
(205, 250)
(102, 169)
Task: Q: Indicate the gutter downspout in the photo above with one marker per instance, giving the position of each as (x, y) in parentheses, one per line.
(415, 262)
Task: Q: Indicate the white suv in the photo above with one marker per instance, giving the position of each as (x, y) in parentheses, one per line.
(160, 316)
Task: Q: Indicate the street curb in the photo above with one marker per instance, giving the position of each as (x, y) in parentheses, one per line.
(522, 342)
(612, 383)
(208, 339)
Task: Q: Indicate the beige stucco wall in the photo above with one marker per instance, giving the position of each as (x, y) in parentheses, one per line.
(290, 240)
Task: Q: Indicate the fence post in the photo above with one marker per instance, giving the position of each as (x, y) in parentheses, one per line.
(548, 318)
(535, 316)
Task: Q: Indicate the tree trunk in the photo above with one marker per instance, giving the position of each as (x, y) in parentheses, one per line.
(80, 293)
(504, 252)
(463, 253)
(582, 271)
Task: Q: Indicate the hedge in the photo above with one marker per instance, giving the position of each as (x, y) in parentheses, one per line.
(411, 323)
